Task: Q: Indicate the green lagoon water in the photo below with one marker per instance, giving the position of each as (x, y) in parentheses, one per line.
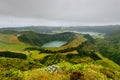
(54, 44)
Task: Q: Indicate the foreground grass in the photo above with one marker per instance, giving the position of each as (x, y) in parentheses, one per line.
(103, 69)
(89, 71)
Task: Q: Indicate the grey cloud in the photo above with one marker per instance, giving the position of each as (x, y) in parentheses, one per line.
(83, 11)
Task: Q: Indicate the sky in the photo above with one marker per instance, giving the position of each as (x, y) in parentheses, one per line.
(59, 12)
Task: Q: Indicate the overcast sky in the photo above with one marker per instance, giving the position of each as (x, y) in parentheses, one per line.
(59, 12)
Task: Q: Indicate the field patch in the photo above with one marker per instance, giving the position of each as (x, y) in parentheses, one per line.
(10, 42)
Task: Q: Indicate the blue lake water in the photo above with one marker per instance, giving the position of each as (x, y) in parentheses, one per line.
(54, 44)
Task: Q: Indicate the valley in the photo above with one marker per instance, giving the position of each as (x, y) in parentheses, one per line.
(27, 53)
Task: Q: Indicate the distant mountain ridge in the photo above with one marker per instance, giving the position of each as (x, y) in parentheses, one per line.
(50, 29)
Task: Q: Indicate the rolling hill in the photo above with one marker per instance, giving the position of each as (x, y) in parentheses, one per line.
(83, 57)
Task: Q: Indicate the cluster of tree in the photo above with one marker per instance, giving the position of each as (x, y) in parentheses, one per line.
(89, 38)
(43, 50)
(53, 59)
(13, 55)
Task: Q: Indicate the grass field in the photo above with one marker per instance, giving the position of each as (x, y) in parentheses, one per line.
(10, 42)
(36, 54)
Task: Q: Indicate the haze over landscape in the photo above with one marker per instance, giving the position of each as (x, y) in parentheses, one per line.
(59, 40)
(59, 12)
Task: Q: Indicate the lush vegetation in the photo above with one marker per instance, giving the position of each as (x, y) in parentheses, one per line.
(40, 39)
(11, 42)
(82, 58)
(12, 55)
(110, 46)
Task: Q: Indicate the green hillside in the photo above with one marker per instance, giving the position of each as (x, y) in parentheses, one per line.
(82, 58)
(110, 46)
(40, 39)
(11, 42)
(90, 65)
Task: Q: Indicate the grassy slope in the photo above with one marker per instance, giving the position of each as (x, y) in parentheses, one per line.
(109, 62)
(36, 54)
(91, 70)
(11, 42)
(104, 69)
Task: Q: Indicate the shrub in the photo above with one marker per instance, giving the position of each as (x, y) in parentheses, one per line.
(14, 75)
(53, 59)
(13, 55)
(108, 73)
(77, 67)
(77, 76)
